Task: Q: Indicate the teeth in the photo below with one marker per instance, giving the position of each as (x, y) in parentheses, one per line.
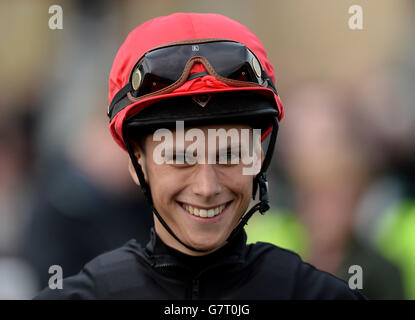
(195, 211)
(211, 213)
(204, 213)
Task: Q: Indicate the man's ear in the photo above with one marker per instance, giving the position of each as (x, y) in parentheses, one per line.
(132, 172)
(140, 158)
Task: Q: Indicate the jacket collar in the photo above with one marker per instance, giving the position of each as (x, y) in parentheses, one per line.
(160, 255)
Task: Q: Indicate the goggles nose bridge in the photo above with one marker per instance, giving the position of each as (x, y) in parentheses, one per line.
(211, 71)
(191, 64)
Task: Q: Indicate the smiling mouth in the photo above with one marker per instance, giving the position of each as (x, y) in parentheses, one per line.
(205, 212)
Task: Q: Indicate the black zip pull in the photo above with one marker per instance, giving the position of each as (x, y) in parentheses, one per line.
(263, 193)
(263, 187)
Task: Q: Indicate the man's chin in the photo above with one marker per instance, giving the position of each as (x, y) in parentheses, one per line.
(207, 246)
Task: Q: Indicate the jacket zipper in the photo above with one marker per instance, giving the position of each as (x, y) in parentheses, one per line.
(195, 293)
(195, 289)
(195, 281)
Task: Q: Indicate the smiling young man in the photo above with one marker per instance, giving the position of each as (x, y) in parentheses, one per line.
(201, 202)
(192, 98)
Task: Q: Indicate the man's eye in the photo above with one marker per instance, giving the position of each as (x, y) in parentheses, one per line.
(228, 158)
(179, 160)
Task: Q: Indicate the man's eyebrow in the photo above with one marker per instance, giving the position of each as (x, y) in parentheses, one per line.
(174, 150)
(230, 147)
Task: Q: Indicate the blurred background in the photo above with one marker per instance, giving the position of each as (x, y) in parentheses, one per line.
(342, 179)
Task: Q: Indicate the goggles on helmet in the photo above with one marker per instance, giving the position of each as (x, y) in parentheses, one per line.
(165, 68)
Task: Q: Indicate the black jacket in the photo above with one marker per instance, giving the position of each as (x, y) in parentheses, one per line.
(236, 271)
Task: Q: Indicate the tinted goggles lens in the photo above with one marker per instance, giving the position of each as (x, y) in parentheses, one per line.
(161, 67)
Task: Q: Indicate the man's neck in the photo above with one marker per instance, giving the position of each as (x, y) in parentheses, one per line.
(169, 241)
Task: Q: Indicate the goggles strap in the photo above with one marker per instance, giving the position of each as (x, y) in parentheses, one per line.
(270, 83)
(118, 97)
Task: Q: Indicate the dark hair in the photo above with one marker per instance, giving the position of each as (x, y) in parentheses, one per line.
(139, 137)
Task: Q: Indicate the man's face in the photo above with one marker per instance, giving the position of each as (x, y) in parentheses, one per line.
(201, 203)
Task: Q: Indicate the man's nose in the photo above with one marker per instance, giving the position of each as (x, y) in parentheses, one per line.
(206, 183)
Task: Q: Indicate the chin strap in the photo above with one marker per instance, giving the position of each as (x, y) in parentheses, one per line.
(263, 206)
(260, 182)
